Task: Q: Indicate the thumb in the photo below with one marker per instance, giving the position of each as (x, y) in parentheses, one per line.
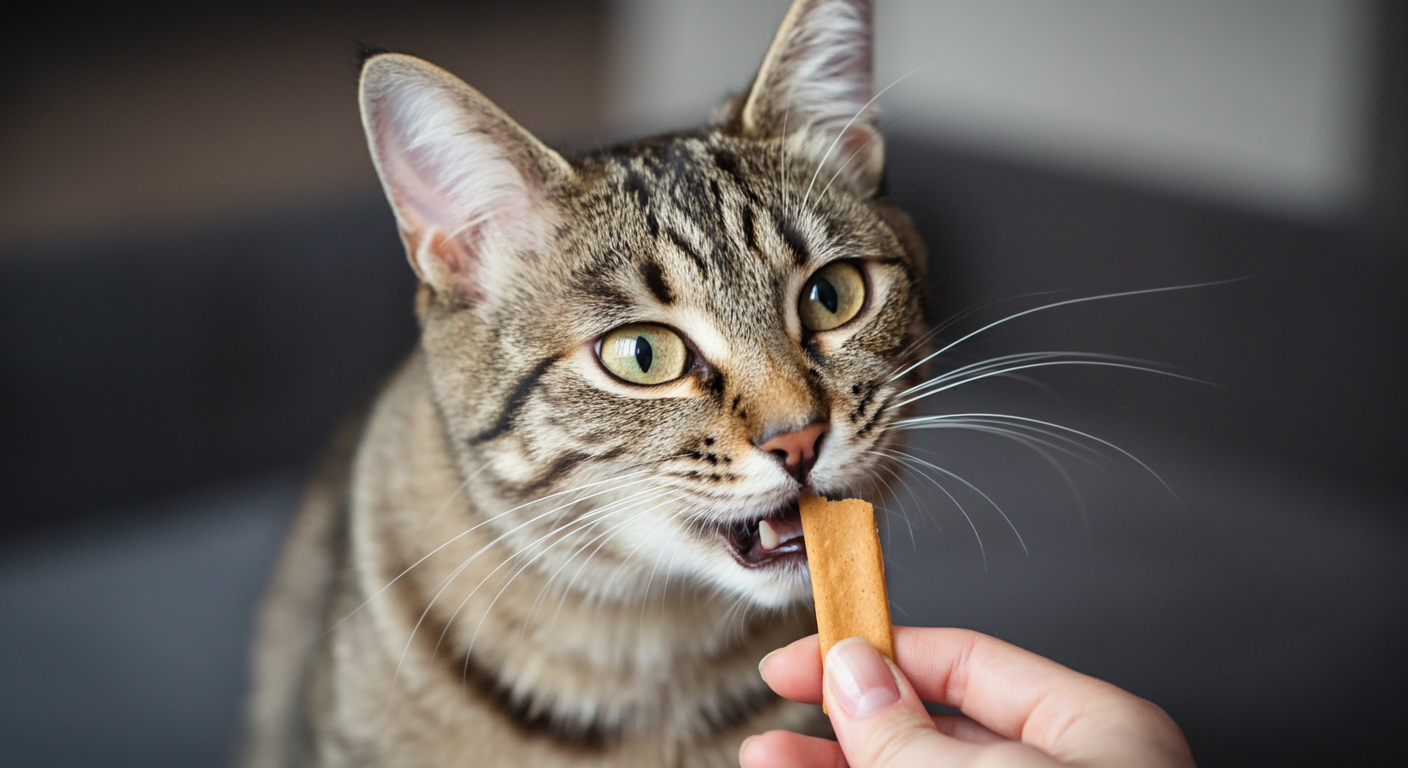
(879, 720)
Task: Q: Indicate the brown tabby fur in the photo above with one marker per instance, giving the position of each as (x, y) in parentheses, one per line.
(514, 559)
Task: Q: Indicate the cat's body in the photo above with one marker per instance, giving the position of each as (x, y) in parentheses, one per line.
(564, 533)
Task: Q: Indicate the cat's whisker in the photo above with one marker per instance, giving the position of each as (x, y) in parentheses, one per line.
(1040, 448)
(977, 536)
(582, 525)
(462, 534)
(637, 515)
(889, 492)
(992, 363)
(906, 457)
(608, 535)
(603, 589)
(449, 579)
(577, 549)
(492, 518)
(880, 131)
(1067, 302)
(916, 346)
(1023, 433)
(922, 422)
(1055, 363)
(584, 522)
(458, 490)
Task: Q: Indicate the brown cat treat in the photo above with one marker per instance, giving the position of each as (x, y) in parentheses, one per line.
(848, 572)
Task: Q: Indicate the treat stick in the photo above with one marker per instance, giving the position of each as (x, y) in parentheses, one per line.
(848, 572)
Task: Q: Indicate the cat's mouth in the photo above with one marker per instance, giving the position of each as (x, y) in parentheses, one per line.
(772, 539)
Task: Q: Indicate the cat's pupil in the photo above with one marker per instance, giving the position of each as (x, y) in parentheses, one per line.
(824, 292)
(644, 354)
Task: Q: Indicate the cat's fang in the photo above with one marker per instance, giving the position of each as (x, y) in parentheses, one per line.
(773, 533)
(767, 536)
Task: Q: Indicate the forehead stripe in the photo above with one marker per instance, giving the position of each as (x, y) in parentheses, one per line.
(750, 237)
(800, 253)
(684, 245)
(655, 280)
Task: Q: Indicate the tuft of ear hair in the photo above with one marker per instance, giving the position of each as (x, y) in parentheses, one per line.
(366, 51)
(471, 189)
(815, 91)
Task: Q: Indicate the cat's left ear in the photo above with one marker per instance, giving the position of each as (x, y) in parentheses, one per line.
(471, 188)
(814, 90)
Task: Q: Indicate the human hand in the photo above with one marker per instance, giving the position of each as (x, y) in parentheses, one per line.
(1019, 709)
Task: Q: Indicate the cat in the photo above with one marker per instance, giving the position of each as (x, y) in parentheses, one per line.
(566, 531)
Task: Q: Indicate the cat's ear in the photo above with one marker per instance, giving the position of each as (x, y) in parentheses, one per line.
(470, 187)
(814, 89)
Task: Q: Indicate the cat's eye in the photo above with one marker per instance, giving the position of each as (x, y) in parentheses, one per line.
(643, 353)
(831, 297)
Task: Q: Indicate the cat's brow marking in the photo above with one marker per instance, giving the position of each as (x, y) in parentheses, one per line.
(683, 245)
(801, 254)
(654, 278)
(638, 189)
(750, 236)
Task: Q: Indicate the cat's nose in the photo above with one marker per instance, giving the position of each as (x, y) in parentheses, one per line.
(796, 451)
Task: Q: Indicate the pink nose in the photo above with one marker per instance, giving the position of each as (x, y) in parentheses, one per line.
(796, 451)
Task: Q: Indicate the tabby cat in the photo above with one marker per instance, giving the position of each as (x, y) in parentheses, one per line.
(566, 531)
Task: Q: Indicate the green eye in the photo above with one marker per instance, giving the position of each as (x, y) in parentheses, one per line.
(643, 353)
(831, 297)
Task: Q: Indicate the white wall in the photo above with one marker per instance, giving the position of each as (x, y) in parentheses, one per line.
(1261, 103)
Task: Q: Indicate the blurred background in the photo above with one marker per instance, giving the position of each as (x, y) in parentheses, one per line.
(198, 275)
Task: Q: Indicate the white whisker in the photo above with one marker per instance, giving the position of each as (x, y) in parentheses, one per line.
(902, 456)
(977, 536)
(921, 422)
(1067, 302)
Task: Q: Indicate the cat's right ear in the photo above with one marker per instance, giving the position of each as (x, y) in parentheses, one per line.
(815, 90)
(471, 188)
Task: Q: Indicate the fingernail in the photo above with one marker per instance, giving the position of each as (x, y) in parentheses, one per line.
(744, 748)
(860, 680)
(765, 661)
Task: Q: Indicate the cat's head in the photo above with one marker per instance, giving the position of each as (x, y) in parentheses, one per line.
(679, 334)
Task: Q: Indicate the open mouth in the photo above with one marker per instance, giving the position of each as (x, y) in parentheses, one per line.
(772, 540)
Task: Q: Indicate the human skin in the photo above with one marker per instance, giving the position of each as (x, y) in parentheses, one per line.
(1019, 709)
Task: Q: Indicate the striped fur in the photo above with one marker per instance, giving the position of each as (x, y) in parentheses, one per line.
(515, 561)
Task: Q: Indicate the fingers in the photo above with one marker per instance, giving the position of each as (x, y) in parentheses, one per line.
(881, 723)
(1024, 697)
(784, 749)
(995, 683)
(965, 729)
(794, 671)
(1015, 694)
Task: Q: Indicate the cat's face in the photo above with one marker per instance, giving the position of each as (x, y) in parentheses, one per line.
(643, 356)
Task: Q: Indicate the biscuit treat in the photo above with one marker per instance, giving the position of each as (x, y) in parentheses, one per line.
(848, 572)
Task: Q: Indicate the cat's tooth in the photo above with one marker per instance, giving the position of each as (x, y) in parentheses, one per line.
(767, 536)
(792, 532)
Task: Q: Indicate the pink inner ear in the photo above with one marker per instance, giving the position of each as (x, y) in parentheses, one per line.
(858, 145)
(444, 260)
